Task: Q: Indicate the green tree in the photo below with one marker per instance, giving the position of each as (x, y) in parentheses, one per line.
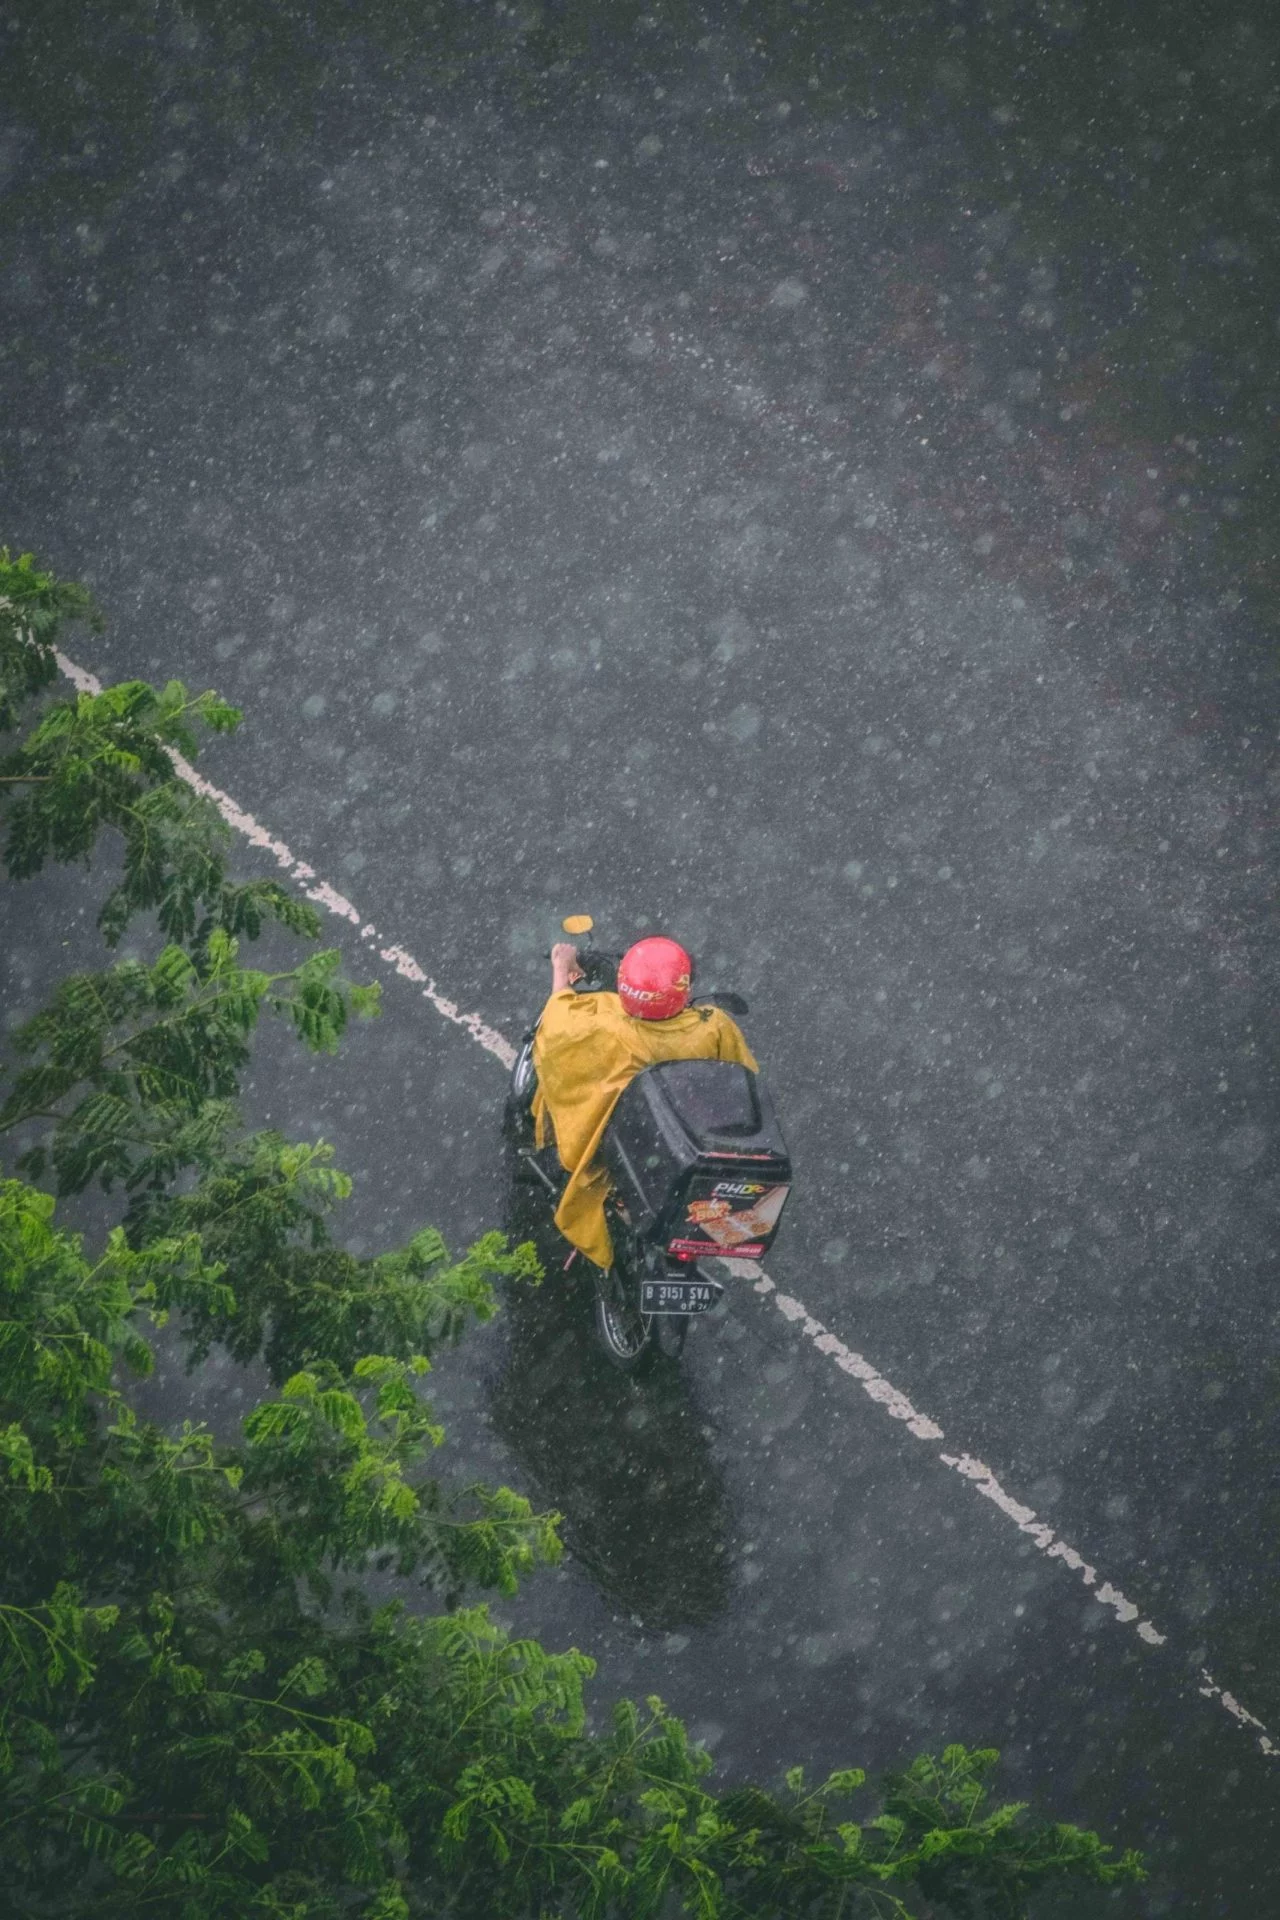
(203, 1714)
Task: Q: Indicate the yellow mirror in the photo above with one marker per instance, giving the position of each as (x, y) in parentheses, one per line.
(578, 923)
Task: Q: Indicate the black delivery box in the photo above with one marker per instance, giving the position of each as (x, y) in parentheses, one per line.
(695, 1150)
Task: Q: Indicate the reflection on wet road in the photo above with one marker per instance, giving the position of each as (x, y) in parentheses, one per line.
(626, 1461)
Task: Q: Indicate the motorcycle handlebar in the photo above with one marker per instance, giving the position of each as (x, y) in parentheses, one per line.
(599, 969)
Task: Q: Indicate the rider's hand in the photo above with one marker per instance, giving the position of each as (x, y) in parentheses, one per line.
(564, 966)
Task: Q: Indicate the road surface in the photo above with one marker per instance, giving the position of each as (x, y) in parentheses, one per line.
(665, 499)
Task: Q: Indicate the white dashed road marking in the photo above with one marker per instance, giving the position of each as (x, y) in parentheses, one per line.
(873, 1384)
(318, 890)
(898, 1407)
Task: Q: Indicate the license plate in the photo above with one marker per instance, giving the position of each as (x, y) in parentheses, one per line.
(678, 1296)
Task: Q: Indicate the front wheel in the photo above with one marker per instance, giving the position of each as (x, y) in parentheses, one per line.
(517, 1112)
(626, 1334)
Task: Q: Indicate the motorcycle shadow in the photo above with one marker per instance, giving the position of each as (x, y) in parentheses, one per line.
(626, 1461)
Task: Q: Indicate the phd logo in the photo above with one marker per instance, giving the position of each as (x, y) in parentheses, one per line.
(738, 1190)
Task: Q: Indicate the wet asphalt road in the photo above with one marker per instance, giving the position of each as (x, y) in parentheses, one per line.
(660, 504)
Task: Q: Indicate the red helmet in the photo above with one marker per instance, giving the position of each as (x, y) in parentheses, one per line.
(654, 978)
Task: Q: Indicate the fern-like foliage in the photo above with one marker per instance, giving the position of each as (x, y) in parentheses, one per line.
(95, 762)
(105, 761)
(172, 1667)
(263, 1209)
(127, 1064)
(33, 606)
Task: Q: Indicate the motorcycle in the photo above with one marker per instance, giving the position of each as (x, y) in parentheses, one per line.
(699, 1171)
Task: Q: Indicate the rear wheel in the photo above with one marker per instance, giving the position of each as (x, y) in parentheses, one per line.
(626, 1334)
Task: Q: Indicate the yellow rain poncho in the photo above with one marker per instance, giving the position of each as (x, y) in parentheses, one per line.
(586, 1051)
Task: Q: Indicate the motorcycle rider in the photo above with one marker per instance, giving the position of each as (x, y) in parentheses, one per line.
(589, 1046)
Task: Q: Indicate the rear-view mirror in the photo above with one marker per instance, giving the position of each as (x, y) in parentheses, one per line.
(729, 1002)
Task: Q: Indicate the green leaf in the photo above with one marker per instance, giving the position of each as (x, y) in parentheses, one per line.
(845, 1780)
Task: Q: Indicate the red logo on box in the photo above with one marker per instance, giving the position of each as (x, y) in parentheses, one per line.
(705, 1248)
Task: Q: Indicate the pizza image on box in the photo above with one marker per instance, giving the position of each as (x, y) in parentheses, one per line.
(713, 1220)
